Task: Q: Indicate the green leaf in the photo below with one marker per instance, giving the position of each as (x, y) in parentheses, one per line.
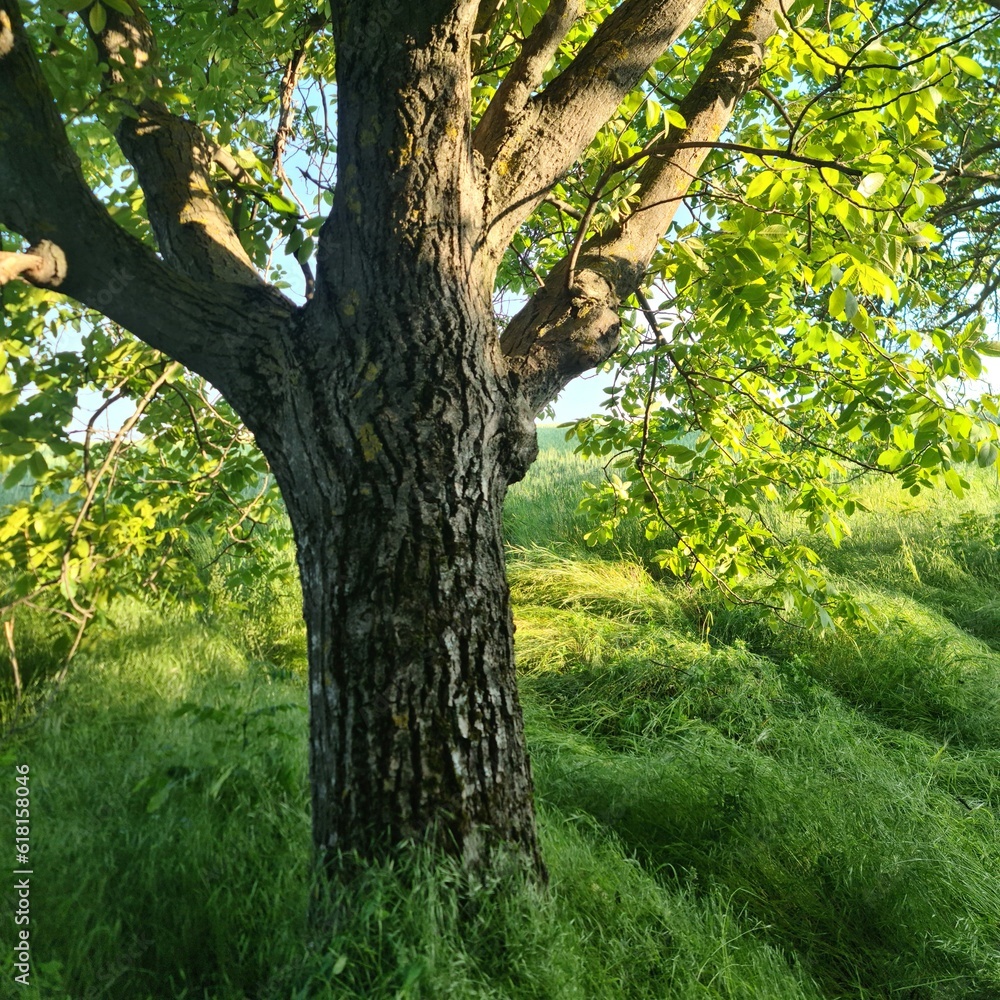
(891, 458)
(98, 18)
(121, 6)
(971, 362)
(679, 453)
(675, 118)
(16, 474)
(760, 184)
(68, 587)
(156, 800)
(852, 310)
(246, 158)
(968, 66)
(281, 203)
(955, 483)
(987, 455)
(870, 183)
(843, 303)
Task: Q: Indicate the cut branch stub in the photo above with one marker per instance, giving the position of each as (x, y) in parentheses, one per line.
(6, 34)
(44, 264)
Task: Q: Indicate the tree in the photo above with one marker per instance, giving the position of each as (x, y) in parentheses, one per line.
(542, 148)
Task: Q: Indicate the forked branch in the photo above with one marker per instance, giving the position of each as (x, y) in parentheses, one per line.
(572, 323)
(172, 159)
(539, 144)
(525, 75)
(45, 199)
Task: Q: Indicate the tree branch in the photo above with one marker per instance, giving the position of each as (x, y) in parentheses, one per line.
(760, 152)
(172, 158)
(543, 141)
(571, 323)
(525, 74)
(731, 72)
(289, 81)
(44, 198)
(486, 15)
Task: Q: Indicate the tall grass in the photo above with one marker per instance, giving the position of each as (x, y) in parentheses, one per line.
(730, 807)
(869, 849)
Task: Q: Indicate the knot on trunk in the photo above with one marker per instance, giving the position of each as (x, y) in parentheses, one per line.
(520, 442)
(561, 333)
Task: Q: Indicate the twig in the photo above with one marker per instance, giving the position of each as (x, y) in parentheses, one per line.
(8, 634)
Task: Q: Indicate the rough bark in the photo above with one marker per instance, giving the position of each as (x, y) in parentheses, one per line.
(392, 463)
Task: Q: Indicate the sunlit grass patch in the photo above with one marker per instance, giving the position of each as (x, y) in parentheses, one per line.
(847, 838)
(908, 665)
(824, 780)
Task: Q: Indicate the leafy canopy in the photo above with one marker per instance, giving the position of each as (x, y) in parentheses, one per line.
(813, 313)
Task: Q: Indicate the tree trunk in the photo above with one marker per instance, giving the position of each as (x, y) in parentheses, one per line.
(394, 461)
(393, 430)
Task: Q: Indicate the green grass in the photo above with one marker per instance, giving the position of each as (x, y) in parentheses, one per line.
(729, 807)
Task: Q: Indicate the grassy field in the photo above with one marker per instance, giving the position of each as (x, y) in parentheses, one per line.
(730, 807)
